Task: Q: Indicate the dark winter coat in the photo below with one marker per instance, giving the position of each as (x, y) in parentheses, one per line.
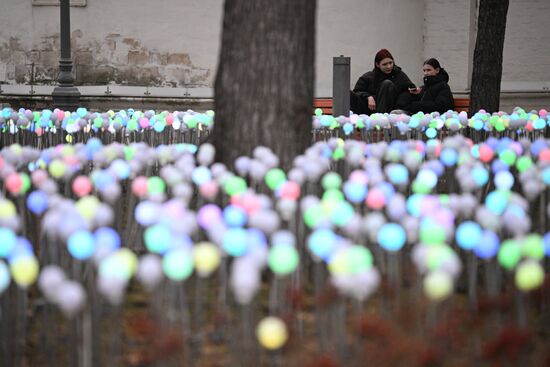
(436, 95)
(369, 83)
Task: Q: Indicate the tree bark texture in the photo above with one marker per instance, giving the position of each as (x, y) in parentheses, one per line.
(264, 83)
(487, 63)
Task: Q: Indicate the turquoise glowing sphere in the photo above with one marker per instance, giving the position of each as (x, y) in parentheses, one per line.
(235, 241)
(234, 216)
(81, 245)
(8, 239)
(468, 234)
(178, 264)
(158, 238)
(322, 243)
(391, 237)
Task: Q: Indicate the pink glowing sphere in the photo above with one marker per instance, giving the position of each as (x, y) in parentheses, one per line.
(14, 183)
(82, 186)
(139, 186)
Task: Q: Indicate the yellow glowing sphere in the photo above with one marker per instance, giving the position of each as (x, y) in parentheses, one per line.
(87, 206)
(272, 333)
(438, 285)
(24, 270)
(207, 258)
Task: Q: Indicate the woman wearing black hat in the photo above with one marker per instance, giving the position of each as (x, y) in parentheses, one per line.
(383, 88)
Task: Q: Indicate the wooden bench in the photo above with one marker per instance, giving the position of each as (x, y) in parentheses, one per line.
(325, 104)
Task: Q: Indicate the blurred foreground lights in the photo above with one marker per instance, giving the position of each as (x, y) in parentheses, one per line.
(272, 333)
(529, 275)
(207, 258)
(438, 285)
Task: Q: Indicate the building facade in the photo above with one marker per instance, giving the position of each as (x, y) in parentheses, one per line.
(168, 49)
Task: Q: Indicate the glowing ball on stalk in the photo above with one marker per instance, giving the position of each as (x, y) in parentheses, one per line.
(178, 264)
(274, 178)
(351, 260)
(149, 271)
(322, 243)
(208, 215)
(355, 192)
(488, 245)
(438, 285)
(24, 270)
(289, 190)
(533, 247)
(81, 245)
(234, 216)
(235, 242)
(529, 275)
(235, 185)
(13, 183)
(87, 206)
(496, 201)
(283, 259)
(504, 180)
(468, 234)
(206, 257)
(392, 237)
(147, 213)
(5, 277)
(272, 333)
(432, 233)
(158, 238)
(8, 241)
(82, 186)
(509, 254)
(107, 240)
(7, 209)
(546, 244)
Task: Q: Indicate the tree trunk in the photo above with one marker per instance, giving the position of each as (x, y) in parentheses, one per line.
(264, 84)
(487, 66)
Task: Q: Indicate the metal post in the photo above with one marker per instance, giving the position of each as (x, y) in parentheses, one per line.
(65, 95)
(340, 86)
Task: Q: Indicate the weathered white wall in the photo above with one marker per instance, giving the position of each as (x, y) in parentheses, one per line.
(125, 41)
(175, 43)
(447, 38)
(527, 43)
(359, 28)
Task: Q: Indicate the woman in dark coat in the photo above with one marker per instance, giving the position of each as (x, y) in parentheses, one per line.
(436, 94)
(383, 88)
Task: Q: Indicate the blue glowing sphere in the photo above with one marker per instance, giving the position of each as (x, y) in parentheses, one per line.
(107, 239)
(488, 245)
(37, 202)
(355, 192)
